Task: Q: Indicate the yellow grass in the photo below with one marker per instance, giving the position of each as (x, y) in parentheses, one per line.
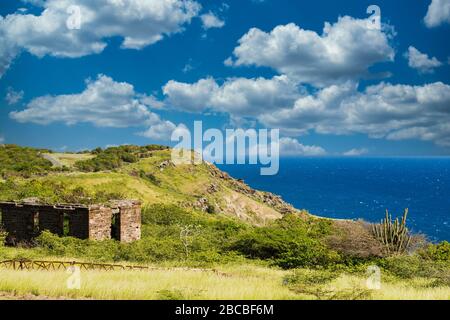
(159, 284)
(69, 159)
(414, 289)
(243, 282)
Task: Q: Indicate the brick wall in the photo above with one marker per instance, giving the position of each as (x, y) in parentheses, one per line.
(18, 221)
(100, 222)
(24, 221)
(128, 221)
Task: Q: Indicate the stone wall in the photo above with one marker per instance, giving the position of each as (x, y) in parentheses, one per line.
(128, 220)
(18, 222)
(100, 220)
(24, 221)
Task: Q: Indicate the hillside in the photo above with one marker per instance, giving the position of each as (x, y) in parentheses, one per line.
(153, 179)
(196, 216)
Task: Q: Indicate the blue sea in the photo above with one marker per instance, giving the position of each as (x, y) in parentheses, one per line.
(363, 188)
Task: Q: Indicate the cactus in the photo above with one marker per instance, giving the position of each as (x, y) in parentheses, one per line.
(394, 235)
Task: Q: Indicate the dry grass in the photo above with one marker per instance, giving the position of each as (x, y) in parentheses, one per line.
(69, 159)
(241, 282)
(141, 285)
(415, 289)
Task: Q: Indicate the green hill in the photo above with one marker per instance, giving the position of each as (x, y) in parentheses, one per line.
(199, 216)
(143, 173)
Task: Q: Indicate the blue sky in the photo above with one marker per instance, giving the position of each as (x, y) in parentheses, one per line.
(351, 90)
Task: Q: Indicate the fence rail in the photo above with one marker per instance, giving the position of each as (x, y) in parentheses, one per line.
(63, 265)
(24, 264)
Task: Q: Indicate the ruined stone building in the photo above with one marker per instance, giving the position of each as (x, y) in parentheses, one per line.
(120, 220)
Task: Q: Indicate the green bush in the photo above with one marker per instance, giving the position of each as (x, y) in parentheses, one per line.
(149, 177)
(437, 252)
(290, 243)
(411, 266)
(316, 283)
(22, 161)
(52, 192)
(115, 157)
(160, 241)
(310, 277)
(166, 215)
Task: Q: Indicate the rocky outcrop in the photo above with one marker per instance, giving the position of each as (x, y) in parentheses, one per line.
(270, 199)
(165, 164)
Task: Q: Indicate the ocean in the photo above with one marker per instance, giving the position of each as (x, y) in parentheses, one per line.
(363, 188)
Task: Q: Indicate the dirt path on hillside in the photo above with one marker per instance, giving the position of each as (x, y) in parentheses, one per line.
(55, 162)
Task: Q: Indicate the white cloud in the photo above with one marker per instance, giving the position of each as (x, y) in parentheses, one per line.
(228, 62)
(356, 152)
(138, 22)
(190, 97)
(151, 101)
(381, 111)
(292, 147)
(420, 61)
(237, 96)
(12, 96)
(2, 139)
(438, 13)
(210, 20)
(104, 103)
(8, 50)
(345, 50)
(315, 112)
(161, 131)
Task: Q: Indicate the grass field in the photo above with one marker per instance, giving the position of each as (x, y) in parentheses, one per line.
(242, 233)
(240, 282)
(69, 159)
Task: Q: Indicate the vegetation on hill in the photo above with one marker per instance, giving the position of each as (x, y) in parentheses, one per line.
(22, 161)
(115, 157)
(198, 216)
(52, 192)
(313, 268)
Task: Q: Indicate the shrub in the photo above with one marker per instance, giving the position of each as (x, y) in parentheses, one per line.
(316, 283)
(411, 266)
(51, 243)
(22, 161)
(149, 177)
(165, 215)
(52, 192)
(354, 241)
(114, 157)
(289, 243)
(310, 277)
(437, 252)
